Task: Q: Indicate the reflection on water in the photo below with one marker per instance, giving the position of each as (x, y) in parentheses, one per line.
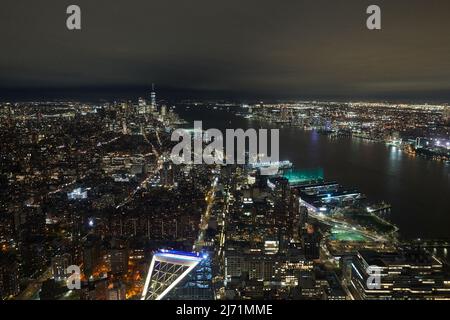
(418, 189)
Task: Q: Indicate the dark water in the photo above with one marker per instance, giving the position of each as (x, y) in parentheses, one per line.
(418, 189)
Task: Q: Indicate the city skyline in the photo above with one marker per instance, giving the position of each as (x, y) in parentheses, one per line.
(233, 154)
(94, 188)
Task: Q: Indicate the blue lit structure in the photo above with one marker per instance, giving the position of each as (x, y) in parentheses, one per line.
(197, 285)
(168, 269)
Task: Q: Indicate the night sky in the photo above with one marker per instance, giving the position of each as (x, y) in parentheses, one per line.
(254, 48)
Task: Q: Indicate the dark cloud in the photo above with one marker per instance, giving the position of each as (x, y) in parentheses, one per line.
(278, 48)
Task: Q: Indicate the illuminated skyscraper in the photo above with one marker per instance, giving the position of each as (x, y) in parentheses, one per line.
(405, 274)
(153, 98)
(197, 285)
(447, 115)
(163, 111)
(142, 106)
(60, 263)
(166, 270)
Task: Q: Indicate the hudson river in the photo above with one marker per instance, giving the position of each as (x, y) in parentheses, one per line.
(418, 189)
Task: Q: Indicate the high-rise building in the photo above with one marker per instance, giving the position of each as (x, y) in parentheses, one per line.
(447, 115)
(91, 255)
(30, 222)
(197, 285)
(252, 266)
(32, 253)
(60, 263)
(163, 111)
(311, 243)
(153, 99)
(118, 260)
(167, 269)
(303, 218)
(406, 274)
(124, 127)
(116, 291)
(142, 106)
(167, 175)
(9, 276)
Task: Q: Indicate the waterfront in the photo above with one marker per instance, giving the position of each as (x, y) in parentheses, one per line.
(416, 188)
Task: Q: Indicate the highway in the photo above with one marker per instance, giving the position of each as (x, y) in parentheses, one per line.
(345, 226)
